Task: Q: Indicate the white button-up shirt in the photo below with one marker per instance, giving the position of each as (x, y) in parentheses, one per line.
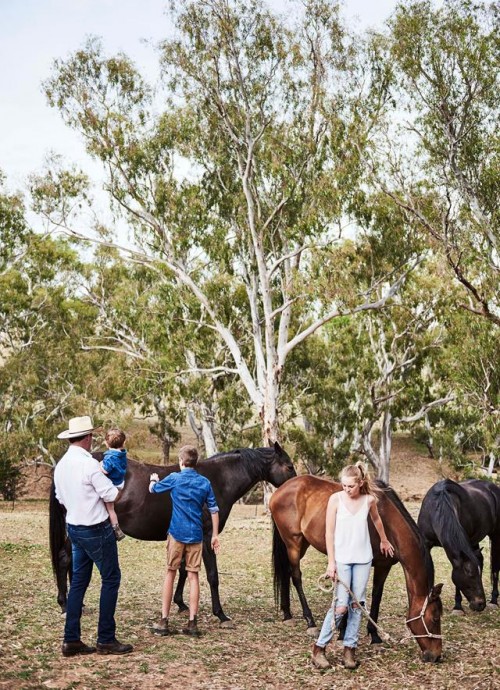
(82, 487)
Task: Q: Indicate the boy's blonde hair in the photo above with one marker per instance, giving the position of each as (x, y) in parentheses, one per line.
(359, 471)
(189, 456)
(115, 438)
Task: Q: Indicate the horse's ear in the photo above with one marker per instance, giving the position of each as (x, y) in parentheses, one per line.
(277, 448)
(435, 592)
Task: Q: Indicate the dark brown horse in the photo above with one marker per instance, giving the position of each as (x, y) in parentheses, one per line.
(299, 513)
(147, 516)
(457, 516)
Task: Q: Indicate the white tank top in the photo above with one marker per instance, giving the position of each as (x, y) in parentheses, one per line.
(352, 538)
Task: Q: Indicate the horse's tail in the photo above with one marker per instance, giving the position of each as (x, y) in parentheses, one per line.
(57, 531)
(281, 567)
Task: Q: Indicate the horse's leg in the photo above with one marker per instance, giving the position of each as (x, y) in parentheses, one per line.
(380, 573)
(295, 553)
(457, 607)
(179, 590)
(210, 562)
(495, 567)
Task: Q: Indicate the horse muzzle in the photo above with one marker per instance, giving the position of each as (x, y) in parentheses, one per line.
(432, 657)
(477, 605)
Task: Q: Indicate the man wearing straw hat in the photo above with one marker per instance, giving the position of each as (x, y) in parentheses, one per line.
(83, 489)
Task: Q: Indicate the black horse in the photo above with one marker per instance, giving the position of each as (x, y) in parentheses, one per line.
(147, 516)
(457, 516)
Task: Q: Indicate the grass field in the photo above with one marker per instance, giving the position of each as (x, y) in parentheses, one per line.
(261, 652)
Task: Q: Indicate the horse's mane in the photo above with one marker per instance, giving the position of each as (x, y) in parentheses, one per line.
(247, 454)
(252, 458)
(386, 490)
(446, 523)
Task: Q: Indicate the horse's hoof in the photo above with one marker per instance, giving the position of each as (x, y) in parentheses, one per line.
(227, 625)
(491, 605)
(457, 612)
(289, 621)
(312, 632)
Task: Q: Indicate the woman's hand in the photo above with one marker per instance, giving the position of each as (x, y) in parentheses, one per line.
(331, 571)
(154, 477)
(386, 547)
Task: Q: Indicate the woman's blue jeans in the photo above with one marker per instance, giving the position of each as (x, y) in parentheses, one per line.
(93, 544)
(355, 575)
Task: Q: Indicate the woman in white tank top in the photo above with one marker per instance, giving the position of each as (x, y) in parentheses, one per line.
(350, 557)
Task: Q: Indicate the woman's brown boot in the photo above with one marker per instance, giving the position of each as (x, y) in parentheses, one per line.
(318, 657)
(350, 658)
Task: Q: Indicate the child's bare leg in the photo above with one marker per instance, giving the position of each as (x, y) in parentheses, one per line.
(194, 598)
(110, 507)
(168, 590)
(194, 594)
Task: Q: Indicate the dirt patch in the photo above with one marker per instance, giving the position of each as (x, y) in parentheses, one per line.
(413, 472)
(36, 482)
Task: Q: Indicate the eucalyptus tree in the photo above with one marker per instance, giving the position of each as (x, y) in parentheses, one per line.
(147, 326)
(470, 361)
(440, 161)
(42, 376)
(239, 178)
(373, 374)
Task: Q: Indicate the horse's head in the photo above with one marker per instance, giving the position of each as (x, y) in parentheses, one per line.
(425, 625)
(279, 468)
(466, 576)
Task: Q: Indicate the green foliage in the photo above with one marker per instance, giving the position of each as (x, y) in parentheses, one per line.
(446, 172)
(11, 480)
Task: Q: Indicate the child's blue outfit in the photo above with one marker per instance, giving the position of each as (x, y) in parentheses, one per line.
(114, 463)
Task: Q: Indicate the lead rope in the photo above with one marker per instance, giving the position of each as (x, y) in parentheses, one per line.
(384, 635)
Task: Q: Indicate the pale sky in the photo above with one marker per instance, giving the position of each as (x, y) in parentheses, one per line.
(35, 32)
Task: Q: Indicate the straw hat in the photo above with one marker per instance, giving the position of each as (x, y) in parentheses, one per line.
(78, 426)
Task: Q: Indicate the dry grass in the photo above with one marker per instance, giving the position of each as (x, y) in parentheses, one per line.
(260, 653)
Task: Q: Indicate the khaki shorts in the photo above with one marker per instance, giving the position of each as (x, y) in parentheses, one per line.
(176, 550)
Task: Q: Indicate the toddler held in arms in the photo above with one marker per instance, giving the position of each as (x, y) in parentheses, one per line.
(114, 465)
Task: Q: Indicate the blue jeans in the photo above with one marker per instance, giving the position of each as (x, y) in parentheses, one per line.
(355, 575)
(94, 544)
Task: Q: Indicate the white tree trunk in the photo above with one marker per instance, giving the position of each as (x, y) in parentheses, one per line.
(491, 464)
(385, 447)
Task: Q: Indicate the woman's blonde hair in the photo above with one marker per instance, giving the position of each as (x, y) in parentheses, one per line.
(359, 471)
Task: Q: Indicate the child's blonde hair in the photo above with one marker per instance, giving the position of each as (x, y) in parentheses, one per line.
(115, 438)
(359, 471)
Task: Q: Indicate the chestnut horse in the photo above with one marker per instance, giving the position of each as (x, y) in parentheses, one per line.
(298, 509)
(147, 516)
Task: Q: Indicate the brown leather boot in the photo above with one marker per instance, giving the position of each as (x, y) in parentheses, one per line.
(162, 628)
(192, 628)
(318, 657)
(350, 658)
